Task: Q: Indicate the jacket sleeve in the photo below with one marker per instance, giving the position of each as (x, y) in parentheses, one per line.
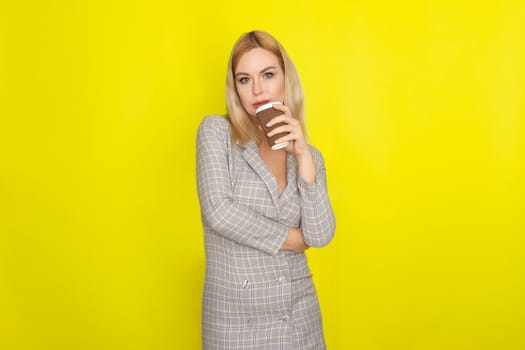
(317, 216)
(219, 211)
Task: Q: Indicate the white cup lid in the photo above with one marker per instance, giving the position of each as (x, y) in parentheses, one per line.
(266, 106)
(280, 145)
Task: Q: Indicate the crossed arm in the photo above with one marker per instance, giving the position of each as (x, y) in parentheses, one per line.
(243, 225)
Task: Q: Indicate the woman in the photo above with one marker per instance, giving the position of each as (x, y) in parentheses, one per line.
(261, 209)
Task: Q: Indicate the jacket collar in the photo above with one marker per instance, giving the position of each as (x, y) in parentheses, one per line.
(251, 154)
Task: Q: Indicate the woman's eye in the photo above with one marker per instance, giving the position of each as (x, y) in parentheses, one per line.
(244, 80)
(268, 75)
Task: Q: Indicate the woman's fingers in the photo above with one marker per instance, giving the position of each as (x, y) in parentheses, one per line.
(282, 118)
(289, 124)
(290, 127)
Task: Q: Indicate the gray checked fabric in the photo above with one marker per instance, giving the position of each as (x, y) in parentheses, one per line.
(256, 296)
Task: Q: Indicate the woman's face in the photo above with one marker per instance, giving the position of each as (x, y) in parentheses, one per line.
(259, 79)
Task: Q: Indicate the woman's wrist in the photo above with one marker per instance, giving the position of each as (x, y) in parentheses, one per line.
(306, 166)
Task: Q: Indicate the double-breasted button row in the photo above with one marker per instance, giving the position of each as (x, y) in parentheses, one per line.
(246, 283)
(252, 321)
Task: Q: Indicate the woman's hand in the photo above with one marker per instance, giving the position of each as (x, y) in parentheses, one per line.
(297, 142)
(295, 241)
(298, 146)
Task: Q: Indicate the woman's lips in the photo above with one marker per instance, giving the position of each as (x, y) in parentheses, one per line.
(260, 103)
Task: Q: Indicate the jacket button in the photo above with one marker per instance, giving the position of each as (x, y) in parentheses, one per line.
(282, 279)
(245, 283)
(285, 318)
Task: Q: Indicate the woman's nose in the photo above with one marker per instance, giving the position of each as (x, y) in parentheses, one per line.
(256, 87)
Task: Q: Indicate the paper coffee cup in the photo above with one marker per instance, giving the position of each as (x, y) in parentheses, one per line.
(264, 114)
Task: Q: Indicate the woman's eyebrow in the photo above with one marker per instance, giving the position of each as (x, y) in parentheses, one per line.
(262, 71)
(267, 68)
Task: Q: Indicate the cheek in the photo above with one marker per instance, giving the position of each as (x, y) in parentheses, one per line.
(242, 96)
(279, 89)
(282, 93)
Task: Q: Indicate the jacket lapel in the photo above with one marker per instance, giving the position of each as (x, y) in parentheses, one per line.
(253, 157)
(291, 177)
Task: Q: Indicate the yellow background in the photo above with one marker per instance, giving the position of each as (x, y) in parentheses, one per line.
(418, 108)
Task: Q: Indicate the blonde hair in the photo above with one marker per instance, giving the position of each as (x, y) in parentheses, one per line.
(243, 126)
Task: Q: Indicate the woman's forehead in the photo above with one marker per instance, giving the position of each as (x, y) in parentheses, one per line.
(256, 59)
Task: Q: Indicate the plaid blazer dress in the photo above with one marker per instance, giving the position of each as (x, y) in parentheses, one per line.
(256, 296)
